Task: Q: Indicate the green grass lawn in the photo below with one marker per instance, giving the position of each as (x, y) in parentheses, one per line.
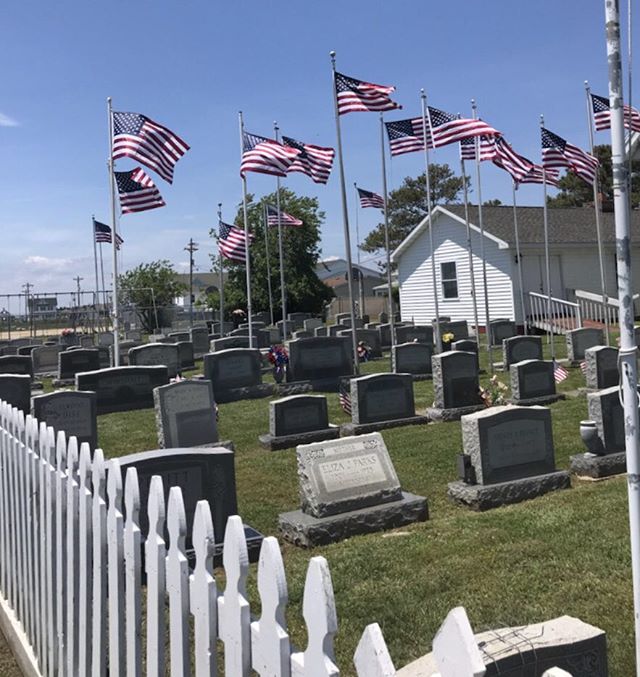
(564, 553)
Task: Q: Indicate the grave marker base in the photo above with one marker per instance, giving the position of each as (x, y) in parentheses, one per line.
(596, 467)
(292, 388)
(290, 441)
(451, 414)
(348, 429)
(306, 531)
(487, 496)
(246, 393)
(533, 401)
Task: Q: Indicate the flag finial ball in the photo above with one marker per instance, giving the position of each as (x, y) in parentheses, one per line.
(332, 54)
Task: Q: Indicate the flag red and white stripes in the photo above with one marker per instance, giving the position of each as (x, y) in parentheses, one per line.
(559, 372)
(265, 156)
(447, 128)
(359, 96)
(406, 136)
(535, 175)
(487, 148)
(369, 199)
(275, 218)
(344, 397)
(314, 161)
(513, 163)
(231, 242)
(137, 191)
(557, 152)
(602, 114)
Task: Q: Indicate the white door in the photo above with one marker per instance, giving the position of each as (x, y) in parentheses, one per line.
(535, 275)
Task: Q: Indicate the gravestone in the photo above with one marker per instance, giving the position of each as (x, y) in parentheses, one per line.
(459, 329)
(16, 364)
(372, 325)
(296, 320)
(298, 419)
(105, 339)
(70, 362)
(262, 316)
(333, 329)
(508, 457)
(341, 316)
(533, 382)
(280, 328)
(255, 325)
(186, 414)
(369, 336)
(302, 333)
(185, 355)
(152, 354)
(15, 389)
(202, 474)
(133, 335)
(384, 331)
(123, 388)
(236, 374)
(345, 323)
(381, 401)
(312, 323)
(419, 333)
(199, 336)
(87, 341)
(73, 411)
(348, 487)
(412, 358)
(322, 360)
(467, 345)
(520, 348)
(45, 359)
(229, 342)
(502, 329)
(26, 350)
(602, 367)
(578, 340)
(123, 350)
(321, 331)
(104, 356)
(66, 340)
(240, 331)
(383, 318)
(455, 384)
(176, 336)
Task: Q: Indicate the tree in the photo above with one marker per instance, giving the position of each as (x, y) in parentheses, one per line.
(492, 203)
(300, 245)
(575, 192)
(408, 205)
(151, 287)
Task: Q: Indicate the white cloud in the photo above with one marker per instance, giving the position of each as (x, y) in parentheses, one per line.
(48, 264)
(6, 121)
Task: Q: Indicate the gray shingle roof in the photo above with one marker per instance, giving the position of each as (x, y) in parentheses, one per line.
(567, 225)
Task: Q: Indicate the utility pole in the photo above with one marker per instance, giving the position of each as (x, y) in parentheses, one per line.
(191, 248)
(27, 287)
(77, 280)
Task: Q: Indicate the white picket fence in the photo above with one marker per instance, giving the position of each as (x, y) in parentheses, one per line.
(70, 579)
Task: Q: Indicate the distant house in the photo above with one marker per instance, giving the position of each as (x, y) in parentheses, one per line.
(203, 284)
(573, 260)
(333, 272)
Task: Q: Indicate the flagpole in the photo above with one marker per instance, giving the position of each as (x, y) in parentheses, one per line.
(104, 288)
(487, 320)
(283, 290)
(95, 265)
(627, 355)
(114, 240)
(386, 232)
(359, 276)
(265, 224)
(423, 97)
(519, 257)
(221, 292)
(546, 253)
(470, 251)
(345, 221)
(246, 236)
(596, 207)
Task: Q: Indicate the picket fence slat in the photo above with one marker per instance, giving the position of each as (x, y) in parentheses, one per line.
(85, 562)
(99, 554)
(115, 566)
(372, 658)
(133, 583)
(71, 557)
(59, 521)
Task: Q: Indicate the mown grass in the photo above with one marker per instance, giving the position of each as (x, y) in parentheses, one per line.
(564, 553)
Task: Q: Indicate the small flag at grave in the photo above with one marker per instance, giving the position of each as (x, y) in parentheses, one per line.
(583, 366)
(559, 372)
(345, 398)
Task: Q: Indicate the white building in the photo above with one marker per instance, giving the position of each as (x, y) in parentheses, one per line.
(573, 260)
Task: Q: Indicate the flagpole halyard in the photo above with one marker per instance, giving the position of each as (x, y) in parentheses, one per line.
(283, 289)
(114, 243)
(470, 251)
(345, 221)
(545, 217)
(386, 234)
(246, 236)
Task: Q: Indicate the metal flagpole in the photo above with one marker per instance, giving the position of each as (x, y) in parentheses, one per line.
(359, 276)
(487, 321)
(474, 297)
(427, 179)
(629, 82)
(596, 206)
(523, 308)
(345, 222)
(114, 243)
(546, 254)
(221, 293)
(283, 290)
(627, 354)
(265, 224)
(386, 232)
(95, 265)
(246, 236)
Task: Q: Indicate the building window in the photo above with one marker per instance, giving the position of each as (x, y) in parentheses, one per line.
(449, 277)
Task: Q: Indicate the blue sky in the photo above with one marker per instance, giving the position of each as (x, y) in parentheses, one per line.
(192, 65)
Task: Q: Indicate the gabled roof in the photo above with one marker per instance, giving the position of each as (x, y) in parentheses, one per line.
(567, 225)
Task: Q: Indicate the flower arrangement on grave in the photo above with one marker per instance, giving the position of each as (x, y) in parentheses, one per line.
(448, 337)
(67, 332)
(279, 358)
(495, 393)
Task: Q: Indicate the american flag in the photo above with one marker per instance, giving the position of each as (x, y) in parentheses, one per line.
(535, 175)
(137, 191)
(344, 397)
(266, 156)
(369, 199)
(314, 161)
(103, 233)
(559, 372)
(356, 95)
(556, 152)
(583, 366)
(447, 128)
(138, 137)
(284, 218)
(514, 164)
(602, 114)
(231, 242)
(406, 136)
(487, 148)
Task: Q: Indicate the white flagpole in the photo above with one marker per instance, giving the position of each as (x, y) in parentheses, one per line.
(104, 287)
(95, 264)
(221, 293)
(627, 356)
(472, 276)
(359, 277)
(386, 233)
(596, 207)
(265, 225)
(546, 254)
(487, 320)
(523, 308)
(427, 179)
(345, 221)
(246, 236)
(283, 290)
(114, 248)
